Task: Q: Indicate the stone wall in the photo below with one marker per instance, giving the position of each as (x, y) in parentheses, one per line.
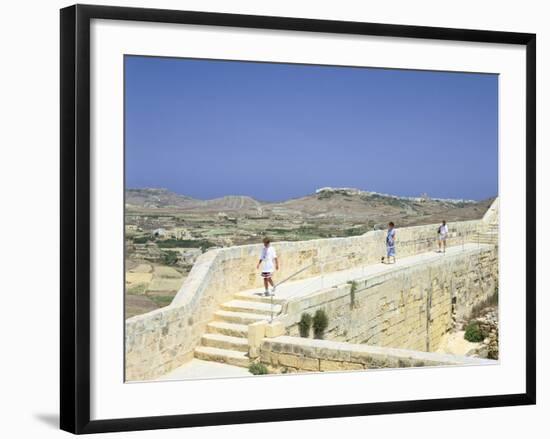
(300, 354)
(163, 339)
(409, 307)
(233, 268)
(158, 341)
(492, 215)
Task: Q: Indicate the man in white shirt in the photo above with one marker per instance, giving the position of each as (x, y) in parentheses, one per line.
(270, 263)
(443, 231)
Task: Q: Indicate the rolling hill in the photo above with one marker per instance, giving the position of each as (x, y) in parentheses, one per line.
(344, 203)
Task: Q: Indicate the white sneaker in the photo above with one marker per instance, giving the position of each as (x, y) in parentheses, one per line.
(266, 293)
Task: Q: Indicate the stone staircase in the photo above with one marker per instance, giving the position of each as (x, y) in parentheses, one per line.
(226, 337)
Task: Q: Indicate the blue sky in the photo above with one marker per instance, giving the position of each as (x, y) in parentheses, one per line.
(276, 131)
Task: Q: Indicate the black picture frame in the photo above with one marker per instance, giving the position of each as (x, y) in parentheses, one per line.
(75, 217)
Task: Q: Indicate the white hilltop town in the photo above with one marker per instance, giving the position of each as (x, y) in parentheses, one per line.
(422, 199)
(366, 314)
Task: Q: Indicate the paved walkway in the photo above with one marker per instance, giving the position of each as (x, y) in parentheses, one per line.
(196, 369)
(311, 285)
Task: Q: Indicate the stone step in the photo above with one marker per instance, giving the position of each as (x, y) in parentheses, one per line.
(258, 298)
(225, 342)
(222, 356)
(243, 318)
(232, 329)
(252, 307)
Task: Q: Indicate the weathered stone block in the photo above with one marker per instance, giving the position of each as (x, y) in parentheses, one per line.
(274, 329)
(306, 363)
(330, 365)
(289, 360)
(256, 333)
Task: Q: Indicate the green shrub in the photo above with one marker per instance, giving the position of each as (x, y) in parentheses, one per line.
(141, 239)
(320, 323)
(185, 243)
(169, 257)
(305, 324)
(258, 369)
(473, 333)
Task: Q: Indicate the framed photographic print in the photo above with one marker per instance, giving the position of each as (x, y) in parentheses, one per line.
(274, 218)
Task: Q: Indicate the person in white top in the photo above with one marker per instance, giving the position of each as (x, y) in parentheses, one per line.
(443, 231)
(270, 263)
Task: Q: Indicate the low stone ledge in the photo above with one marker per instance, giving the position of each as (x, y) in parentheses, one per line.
(325, 355)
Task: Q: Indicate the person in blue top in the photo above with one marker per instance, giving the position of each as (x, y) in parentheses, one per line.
(390, 243)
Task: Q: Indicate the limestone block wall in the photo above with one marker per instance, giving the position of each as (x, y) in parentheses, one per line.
(409, 308)
(163, 339)
(233, 268)
(158, 341)
(478, 286)
(302, 354)
(492, 214)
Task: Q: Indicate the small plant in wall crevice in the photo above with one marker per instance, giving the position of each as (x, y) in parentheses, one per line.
(320, 323)
(304, 325)
(352, 291)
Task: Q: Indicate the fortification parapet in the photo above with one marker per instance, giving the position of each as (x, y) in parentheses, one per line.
(159, 341)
